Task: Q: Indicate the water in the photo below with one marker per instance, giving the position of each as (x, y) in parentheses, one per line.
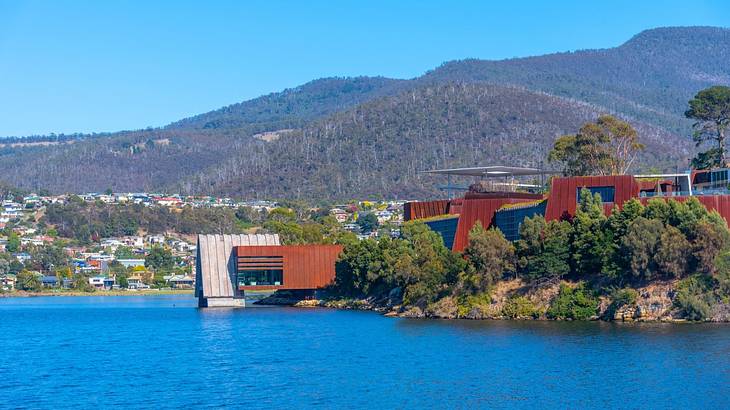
(163, 352)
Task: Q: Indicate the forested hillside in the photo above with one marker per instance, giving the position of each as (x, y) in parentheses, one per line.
(291, 108)
(650, 77)
(378, 148)
(370, 135)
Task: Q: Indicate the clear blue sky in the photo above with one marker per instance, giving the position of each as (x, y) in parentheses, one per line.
(82, 66)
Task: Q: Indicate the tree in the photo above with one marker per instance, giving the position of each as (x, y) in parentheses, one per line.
(13, 244)
(639, 246)
(608, 146)
(429, 268)
(490, 255)
(543, 249)
(159, 258)
(710, 240)
(48, 258)
(368, 222)
(4, 267)
(124, 252)
(673, 253)
(590, 242)
(710, 109)
(29, 281)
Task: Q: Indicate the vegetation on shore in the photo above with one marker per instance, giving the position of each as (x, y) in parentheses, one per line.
(586, 268)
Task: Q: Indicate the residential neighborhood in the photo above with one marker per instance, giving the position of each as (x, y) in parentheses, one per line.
(34, 256)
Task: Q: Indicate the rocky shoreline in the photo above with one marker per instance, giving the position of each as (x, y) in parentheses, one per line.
(654, 304)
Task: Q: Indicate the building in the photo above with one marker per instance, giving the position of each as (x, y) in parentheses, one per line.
(228, 265)
(180, 282)
(101, 282)
(7, 282)
(506, 209)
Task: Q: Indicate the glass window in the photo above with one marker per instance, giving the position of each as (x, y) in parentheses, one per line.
(606, 192)
(261, 277)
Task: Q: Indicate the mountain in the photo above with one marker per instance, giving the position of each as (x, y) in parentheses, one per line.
(651, 77)
(379, 148)
(291, 108)
(349, 137)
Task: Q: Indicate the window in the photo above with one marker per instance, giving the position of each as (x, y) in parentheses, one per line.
(260, 271)
(261, 277)
(606, 192)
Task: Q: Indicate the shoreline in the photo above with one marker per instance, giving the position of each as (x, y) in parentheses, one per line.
(407, 313)
(23, 294)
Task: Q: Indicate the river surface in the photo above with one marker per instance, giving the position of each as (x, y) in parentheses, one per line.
(163, 352)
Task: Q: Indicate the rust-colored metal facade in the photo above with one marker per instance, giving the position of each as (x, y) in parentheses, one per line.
(561, 202)
(304, 266)
(563, 199)
(481, 210)
(421, 210)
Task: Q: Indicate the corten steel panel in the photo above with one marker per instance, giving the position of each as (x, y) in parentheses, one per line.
(563, 199)
(455, 206)
(305, 266)
(420, 210)
(478, 210)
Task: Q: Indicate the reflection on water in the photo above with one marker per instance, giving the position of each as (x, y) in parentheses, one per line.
(163, 352)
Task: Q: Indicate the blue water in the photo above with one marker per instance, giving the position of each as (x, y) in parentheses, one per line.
(163, 352)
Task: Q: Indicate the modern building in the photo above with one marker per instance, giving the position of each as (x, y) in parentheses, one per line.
(229, 265)
(509, 202)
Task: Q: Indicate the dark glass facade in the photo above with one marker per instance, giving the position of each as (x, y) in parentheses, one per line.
(607, 193)
(446, 228)
(262, 277)
(509, 220)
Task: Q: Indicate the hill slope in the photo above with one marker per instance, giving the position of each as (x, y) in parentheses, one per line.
(378, 148)
(650, 77)
(369, 135)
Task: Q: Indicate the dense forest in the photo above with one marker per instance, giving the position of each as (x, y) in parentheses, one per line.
(337, 125)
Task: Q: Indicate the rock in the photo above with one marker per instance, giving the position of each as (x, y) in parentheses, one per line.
(446, 308)
(310, 303)
(413, 312)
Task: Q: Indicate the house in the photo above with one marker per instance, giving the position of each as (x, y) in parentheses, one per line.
(340, 215)
(135, 282)
(22, 257)
(167, 201)
(101, 282)
(180, 281)
(49, 281)
(7, 282)
(383, 216)
(156, 239)
(133, 241)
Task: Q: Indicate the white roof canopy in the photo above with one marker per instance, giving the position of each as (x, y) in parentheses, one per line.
(491, 171)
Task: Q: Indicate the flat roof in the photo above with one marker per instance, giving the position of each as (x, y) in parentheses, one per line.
(491, 171)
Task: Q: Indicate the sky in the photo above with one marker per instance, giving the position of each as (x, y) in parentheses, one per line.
(98, 66)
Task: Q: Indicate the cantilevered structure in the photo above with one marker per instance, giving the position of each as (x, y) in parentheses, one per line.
(453, 218)
(228, 265)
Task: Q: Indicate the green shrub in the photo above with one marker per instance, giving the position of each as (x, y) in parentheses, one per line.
(519, 307)
(466, 304)
(693, 297)
(692, 306)
(622, 297)
(576, 303)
